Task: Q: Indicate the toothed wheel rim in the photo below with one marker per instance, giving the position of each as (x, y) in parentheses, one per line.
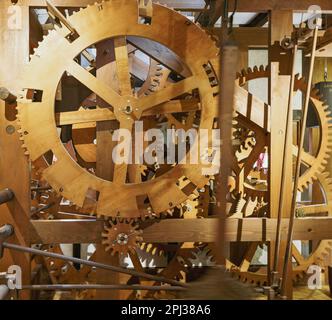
(36, 119)
(316, 163)
(317, 256)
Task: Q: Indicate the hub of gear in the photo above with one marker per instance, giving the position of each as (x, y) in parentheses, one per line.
(121, 237)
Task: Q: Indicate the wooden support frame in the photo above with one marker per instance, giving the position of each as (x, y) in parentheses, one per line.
(198, 5)
(187, 5)
(280, 145)
(183, 230)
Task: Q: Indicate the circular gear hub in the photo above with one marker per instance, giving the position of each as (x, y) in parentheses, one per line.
(121, 237)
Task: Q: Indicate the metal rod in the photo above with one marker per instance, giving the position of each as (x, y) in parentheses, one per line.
(41, 188)
(6, 195)
(49, 205)
(100, 287)
(4, 290)
(92, 264)
(288, 137)
(298, 167)
(6, 231)
(6, 96)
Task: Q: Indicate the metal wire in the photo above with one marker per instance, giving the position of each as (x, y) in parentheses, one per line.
(66, 287)
(92, 264)
(297, 168)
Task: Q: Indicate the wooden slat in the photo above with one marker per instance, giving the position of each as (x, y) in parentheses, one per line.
(160, 53)
(280, 145)
(104, 163)
(183, 230)
(248, 36)
(105, 114)
(192, 5)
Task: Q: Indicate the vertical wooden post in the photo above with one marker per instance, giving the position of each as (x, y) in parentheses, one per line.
(13, 54)
(281, 25)
(105, 166)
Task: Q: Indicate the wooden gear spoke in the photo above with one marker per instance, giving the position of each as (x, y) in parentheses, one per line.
(101, 89)
(170, 92)
(297, 255)
(120, 170)
(306, 158)
(105, 114)
(250, 252)
(122, 66)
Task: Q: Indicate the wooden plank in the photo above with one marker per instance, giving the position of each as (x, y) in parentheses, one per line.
(265, 5)
(193, 5)
(183, 230)
(138, 68)
(248, 36)
(161, 54)
(281, 25)
(106, 72)
(105, 114)
(186, 5)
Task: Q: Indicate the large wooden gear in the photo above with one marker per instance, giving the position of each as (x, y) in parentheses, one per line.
(154, 91)
(251, 200)
(41, 136)
(96, 47)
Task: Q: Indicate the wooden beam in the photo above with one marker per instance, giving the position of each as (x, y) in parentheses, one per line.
(266, 5)
(160, 53)
(183, 230)
(257, 21)
(105, 114)
(185, 5)
(198, 5)
(105, 145)
(280, 144)
(248, 36)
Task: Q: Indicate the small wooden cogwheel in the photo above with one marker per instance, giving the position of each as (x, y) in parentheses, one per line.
(121, 237)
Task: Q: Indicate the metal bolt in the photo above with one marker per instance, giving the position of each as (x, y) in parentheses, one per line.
(10, 129)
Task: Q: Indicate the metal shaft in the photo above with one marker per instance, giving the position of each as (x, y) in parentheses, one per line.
(6, 231)
(92, 264)
(41, 188)
(37, 210)
(64, 287)
(6, 96)
(4, 290)
(298, 167)
(6, 195)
